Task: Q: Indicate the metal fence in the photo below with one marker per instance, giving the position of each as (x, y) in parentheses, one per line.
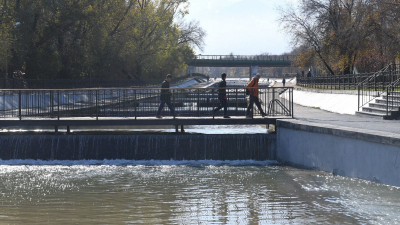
(136, 102)
(337, 82)
(377, 80)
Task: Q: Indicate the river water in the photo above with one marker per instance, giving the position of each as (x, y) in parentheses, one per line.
(187, 192)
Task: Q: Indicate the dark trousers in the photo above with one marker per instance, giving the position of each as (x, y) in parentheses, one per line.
(253, 100)
(223, 103)
(169, 104)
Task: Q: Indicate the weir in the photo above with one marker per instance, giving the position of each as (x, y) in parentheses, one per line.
(138, 147)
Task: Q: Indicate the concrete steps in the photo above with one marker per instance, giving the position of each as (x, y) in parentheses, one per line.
(384, 101)
(377, 109)
(371, 115)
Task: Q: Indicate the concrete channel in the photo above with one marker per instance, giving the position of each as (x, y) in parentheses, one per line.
(344, 151)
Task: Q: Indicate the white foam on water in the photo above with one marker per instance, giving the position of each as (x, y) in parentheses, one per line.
(227, 129)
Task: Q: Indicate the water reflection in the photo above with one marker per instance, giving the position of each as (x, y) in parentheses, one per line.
(164, 192)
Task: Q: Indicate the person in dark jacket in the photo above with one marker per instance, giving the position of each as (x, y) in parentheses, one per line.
(284, 81)
(253, 90)
(309, 73)
(222, 97)
(165, 97)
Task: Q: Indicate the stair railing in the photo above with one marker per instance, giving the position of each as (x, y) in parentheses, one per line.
(390, 93)
(375, 85)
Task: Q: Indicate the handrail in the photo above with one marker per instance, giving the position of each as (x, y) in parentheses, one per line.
(28, 104)
(121, 89)
(376, 74)
(396, 82)
(369, 90)
(388, 88)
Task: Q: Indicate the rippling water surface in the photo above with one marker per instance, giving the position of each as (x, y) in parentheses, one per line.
(207, 192)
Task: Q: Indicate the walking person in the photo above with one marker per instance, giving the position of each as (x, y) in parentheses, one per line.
(223, 101)
(284, 81)
(165, 97)
(252, 88)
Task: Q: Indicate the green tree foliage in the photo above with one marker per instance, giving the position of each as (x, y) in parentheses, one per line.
(73, 39)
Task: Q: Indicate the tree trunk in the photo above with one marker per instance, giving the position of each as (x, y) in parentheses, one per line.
(64, 73)
(138, 74)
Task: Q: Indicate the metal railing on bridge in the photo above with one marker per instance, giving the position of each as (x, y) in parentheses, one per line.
(65, 83)
(134, 103)
(247, 57)
(82, 83)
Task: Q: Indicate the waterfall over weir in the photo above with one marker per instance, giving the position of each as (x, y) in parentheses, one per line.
(139, 147)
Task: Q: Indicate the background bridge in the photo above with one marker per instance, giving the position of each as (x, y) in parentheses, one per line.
(242, 61)
(251, 61)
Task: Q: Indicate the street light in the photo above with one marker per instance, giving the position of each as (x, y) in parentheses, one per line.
(14, 25)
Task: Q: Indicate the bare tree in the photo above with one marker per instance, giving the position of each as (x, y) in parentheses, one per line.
(336, 31)
(191, 33)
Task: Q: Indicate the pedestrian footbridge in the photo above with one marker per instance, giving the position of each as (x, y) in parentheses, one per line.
(136, 107)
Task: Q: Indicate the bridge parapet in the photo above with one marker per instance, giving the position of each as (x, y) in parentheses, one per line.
(246, 57)
(242, 61)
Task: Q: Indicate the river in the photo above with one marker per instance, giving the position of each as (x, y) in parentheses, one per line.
(187, 192)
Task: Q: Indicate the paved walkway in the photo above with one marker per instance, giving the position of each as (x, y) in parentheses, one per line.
(323, 117)
(313, 115)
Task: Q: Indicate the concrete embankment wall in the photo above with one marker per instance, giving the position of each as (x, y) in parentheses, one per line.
(373, 156)
(138, 147)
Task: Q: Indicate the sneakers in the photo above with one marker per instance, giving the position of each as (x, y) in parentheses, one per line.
(159, 117)
(227, 117)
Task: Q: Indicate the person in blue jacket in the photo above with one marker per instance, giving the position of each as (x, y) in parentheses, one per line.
(222, 97)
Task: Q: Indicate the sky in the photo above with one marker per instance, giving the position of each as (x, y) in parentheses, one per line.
(241, 27)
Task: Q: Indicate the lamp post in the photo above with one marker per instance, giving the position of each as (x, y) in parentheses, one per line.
(14, 25)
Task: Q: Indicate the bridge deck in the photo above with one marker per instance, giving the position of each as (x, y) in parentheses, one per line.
(143, 121)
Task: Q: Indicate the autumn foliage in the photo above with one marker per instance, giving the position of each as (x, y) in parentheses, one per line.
(341, 37)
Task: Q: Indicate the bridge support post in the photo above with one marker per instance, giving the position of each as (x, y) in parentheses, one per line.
(68, 130)
(190, 70)
(253, 71)
(182, 129)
